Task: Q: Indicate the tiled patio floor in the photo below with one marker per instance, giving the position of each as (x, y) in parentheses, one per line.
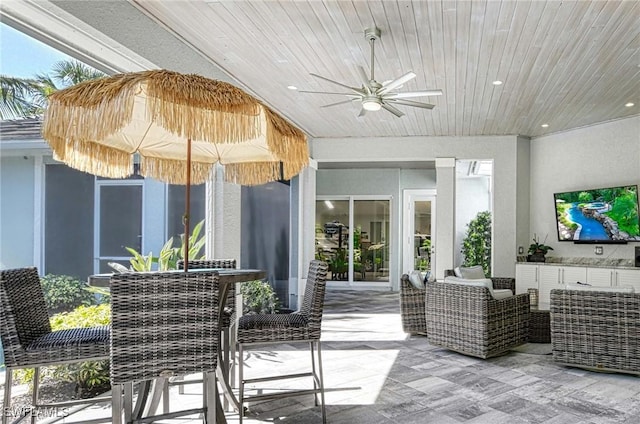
(374, 373)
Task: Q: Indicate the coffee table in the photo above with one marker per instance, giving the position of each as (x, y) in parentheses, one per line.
(540, 324)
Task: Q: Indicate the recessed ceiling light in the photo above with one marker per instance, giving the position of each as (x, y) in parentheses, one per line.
(292, 87)
(497, 82)
(545, 125)
(630, 104)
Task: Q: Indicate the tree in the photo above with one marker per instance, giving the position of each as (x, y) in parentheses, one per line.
(27, 97)
(476, 246)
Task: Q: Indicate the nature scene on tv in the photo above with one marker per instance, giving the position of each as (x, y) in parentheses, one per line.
(598, 215)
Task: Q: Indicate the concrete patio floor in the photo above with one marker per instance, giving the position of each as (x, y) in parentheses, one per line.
(374, 373)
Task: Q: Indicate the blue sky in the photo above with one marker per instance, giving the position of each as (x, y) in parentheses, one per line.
(24, 57)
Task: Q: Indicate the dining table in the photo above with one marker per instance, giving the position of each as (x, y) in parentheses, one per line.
(151, 392)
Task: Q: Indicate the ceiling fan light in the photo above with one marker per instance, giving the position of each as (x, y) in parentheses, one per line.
(371, 105)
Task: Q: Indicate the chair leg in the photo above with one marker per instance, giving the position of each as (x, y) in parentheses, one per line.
(226, 359)
(240, 383)
(321, 382)
(210, 391)
(8, 381)
(35, 393)
(128, 402)
(313, 373)
(165, 396)
(116, 403)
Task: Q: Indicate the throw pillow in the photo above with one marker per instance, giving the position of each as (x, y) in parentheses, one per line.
(416, 278)
(472, 273)
(456, 272)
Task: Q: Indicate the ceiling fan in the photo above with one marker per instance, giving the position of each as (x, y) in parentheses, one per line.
(374, 95)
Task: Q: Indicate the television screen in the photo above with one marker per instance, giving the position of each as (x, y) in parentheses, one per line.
(599, 215)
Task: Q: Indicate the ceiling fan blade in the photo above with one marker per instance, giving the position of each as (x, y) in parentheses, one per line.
(357, 90)
(355, 96)
(393, 110)
(411, 103)
(338, 103)
(409, 94)
(396, 82)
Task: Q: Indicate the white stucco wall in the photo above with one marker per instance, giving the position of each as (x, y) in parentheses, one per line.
(503, 150)
(598, 156)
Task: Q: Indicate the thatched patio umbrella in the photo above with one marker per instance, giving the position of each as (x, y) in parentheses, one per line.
(179, 125)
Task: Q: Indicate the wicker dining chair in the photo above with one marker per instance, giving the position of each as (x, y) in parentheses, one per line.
(300, 326)
(164, 324)
(228, 314)
(29, 342)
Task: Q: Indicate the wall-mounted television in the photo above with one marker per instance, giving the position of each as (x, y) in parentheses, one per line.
(603, 215)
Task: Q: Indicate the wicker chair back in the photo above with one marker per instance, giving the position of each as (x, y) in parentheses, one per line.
(208, 263)
(163, 324)
(23, 313)
(313, 301)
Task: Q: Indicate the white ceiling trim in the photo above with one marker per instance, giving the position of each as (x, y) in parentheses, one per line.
(59, 29)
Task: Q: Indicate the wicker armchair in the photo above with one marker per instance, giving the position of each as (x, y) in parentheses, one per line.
(301, 326)
(164, 324)
(412, 307)
(27, 338)
(596, 329)
(467, 319)
(413, 300)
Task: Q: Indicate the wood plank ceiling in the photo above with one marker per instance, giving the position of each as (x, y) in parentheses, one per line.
(563, 63)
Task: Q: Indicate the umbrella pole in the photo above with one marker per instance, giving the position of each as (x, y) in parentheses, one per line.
(187, 208)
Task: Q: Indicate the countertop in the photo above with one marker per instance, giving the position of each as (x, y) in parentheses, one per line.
(586, 262)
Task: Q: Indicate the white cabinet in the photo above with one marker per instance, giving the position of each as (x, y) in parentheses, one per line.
(526, 277)
(555, 277)
(547, 277)
(614, 277)
(628, 277)
(602, 277)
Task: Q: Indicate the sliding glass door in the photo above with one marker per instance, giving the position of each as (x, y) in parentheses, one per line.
(352, 235)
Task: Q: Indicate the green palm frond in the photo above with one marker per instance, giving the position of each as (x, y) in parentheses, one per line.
(25, 97)
(15, 97)
(72, 72)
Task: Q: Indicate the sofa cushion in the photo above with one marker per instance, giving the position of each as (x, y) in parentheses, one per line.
(472, 272)
(417, 279)
(502, 294)
(622, 289)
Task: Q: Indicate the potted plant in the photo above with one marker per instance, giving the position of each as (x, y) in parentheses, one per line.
(537, 250)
